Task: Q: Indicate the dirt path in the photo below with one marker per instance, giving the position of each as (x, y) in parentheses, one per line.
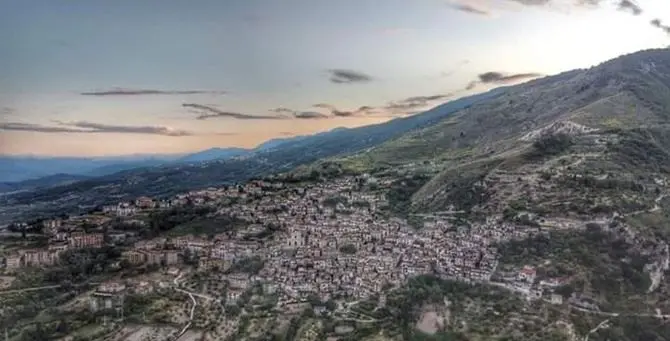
(190, 318)
(603, 324)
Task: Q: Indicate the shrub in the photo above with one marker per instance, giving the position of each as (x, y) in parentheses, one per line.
(552, 144)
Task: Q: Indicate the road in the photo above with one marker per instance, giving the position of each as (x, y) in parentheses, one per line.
(30, 289)
(602, 324)
(602, 313)
(46, 287)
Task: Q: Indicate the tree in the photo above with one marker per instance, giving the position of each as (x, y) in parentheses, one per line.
(349, 249)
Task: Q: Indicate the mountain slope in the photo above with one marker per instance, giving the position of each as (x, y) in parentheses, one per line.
(213, 154)
(566, 176)
(44, 182)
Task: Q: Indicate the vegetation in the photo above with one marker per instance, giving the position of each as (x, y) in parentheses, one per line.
(81, 265)
(551, 144)
(334, 200)
(643, 148)
(349, 249)
(401, 191)
(251, 265)
(160, 221)
(601, 261)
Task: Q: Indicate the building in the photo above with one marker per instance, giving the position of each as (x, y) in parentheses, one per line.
(171, 257)
(556, 299)
(39, 257)
(144, 202)
(108, 297)
(52, 225)
(133, 257)
(13, 262)
(295, 239)
(86, 240)
(527, 274)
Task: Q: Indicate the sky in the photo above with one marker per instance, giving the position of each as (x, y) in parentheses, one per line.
(81, 77)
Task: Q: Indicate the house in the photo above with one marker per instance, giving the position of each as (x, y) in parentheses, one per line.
(39, 257)
(171, 257)
(556, 299)
(13, 262)
(86, 240)
(133, 257)
(144, 202)
(108, 296)
(527, 274)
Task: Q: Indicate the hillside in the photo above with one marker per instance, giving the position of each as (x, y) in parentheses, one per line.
(47, 181)
(574, 166)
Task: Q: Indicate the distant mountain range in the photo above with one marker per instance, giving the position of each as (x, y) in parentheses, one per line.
(18, 171)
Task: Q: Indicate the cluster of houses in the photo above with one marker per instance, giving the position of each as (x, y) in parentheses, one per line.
(329, 239)
(60, 241)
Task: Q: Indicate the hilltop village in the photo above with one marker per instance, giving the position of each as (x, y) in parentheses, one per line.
(327, 238)
(330, 241)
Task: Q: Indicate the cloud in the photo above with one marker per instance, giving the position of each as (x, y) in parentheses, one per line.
(532, 2)
(110, 128)
(659, 24)
(417, 101)
(499, 77)
(629, 5)
(38, 128)
(334, 111)
(309, 115)
(324, 106)
(281, 110)
(211, 112)
(495, 77)
(140, 92)
(623, 5)
(469, 8)
(90, 127)
(343, 76)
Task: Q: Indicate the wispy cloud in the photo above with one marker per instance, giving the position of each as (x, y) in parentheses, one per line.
(140, 92)
(499, 77)
(111, 128)
(630, 6)
(344, 76)
(334, 111)
(208, 112)
(282, 110)
(414, 103)
(38, 128)
(309, 115)
(495, 77)
(90, 127)
(532, 2)
(406, 106)
(659, 24)
(469, 8)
